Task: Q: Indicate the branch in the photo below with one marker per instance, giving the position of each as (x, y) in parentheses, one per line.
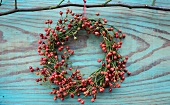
(80, 5)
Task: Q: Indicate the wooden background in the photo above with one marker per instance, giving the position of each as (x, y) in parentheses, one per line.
(147, 44)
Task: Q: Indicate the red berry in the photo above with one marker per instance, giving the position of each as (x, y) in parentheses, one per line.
(31, 70)
(108, 66)
(67, 37)
(60, 21)
(67, 47)
(41, 35)
(58, 43)
(124, 61)
(119, 56)
(37, 68)
(107, 79)
(126, 57)
(110, 89)
(99, 60)
(101, 89)
(103, 64)
(114, 52)
(129, 73)
(62, 99)
(105, 21)
(78, 94)
(97, 33)
(97, 14)
(59, 49)
(115, 57)
(56, 57)
(123, 35)
(57, 28)
(72, 52)
(72, 95)
(79, 99)
(37, 80)
(55, 97)
(123, 66)
(116, 33)
(30, 67)
(46, 22)
(123, 78)
(50, 21)
(82, 101)
(118, 85)
(61, 13)
(120, 42)
(92, 100)
(109, 54)
(112, 69)
(62, 60)
(69, 25)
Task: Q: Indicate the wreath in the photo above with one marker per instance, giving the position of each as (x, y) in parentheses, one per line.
(57, 68)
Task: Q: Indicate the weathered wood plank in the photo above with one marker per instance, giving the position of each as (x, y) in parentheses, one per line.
(147, 43)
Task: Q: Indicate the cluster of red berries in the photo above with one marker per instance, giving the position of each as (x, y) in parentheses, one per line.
(56, 53)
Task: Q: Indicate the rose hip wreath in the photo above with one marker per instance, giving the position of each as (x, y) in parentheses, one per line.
(57, 68)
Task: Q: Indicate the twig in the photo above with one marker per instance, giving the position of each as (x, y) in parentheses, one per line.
(53, 7)
(153, 2)
(68, 1)
(0, 2)
(60, 2)
(107, 2)
(88, 6)
(15, 4)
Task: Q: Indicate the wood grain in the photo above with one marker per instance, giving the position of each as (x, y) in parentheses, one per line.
(147, 44)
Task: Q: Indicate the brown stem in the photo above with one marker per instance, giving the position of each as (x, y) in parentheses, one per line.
(80, 5)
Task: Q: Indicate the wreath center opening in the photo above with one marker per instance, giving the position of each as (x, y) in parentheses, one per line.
(86, 52)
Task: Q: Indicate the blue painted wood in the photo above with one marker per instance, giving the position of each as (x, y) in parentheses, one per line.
(147, 43)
